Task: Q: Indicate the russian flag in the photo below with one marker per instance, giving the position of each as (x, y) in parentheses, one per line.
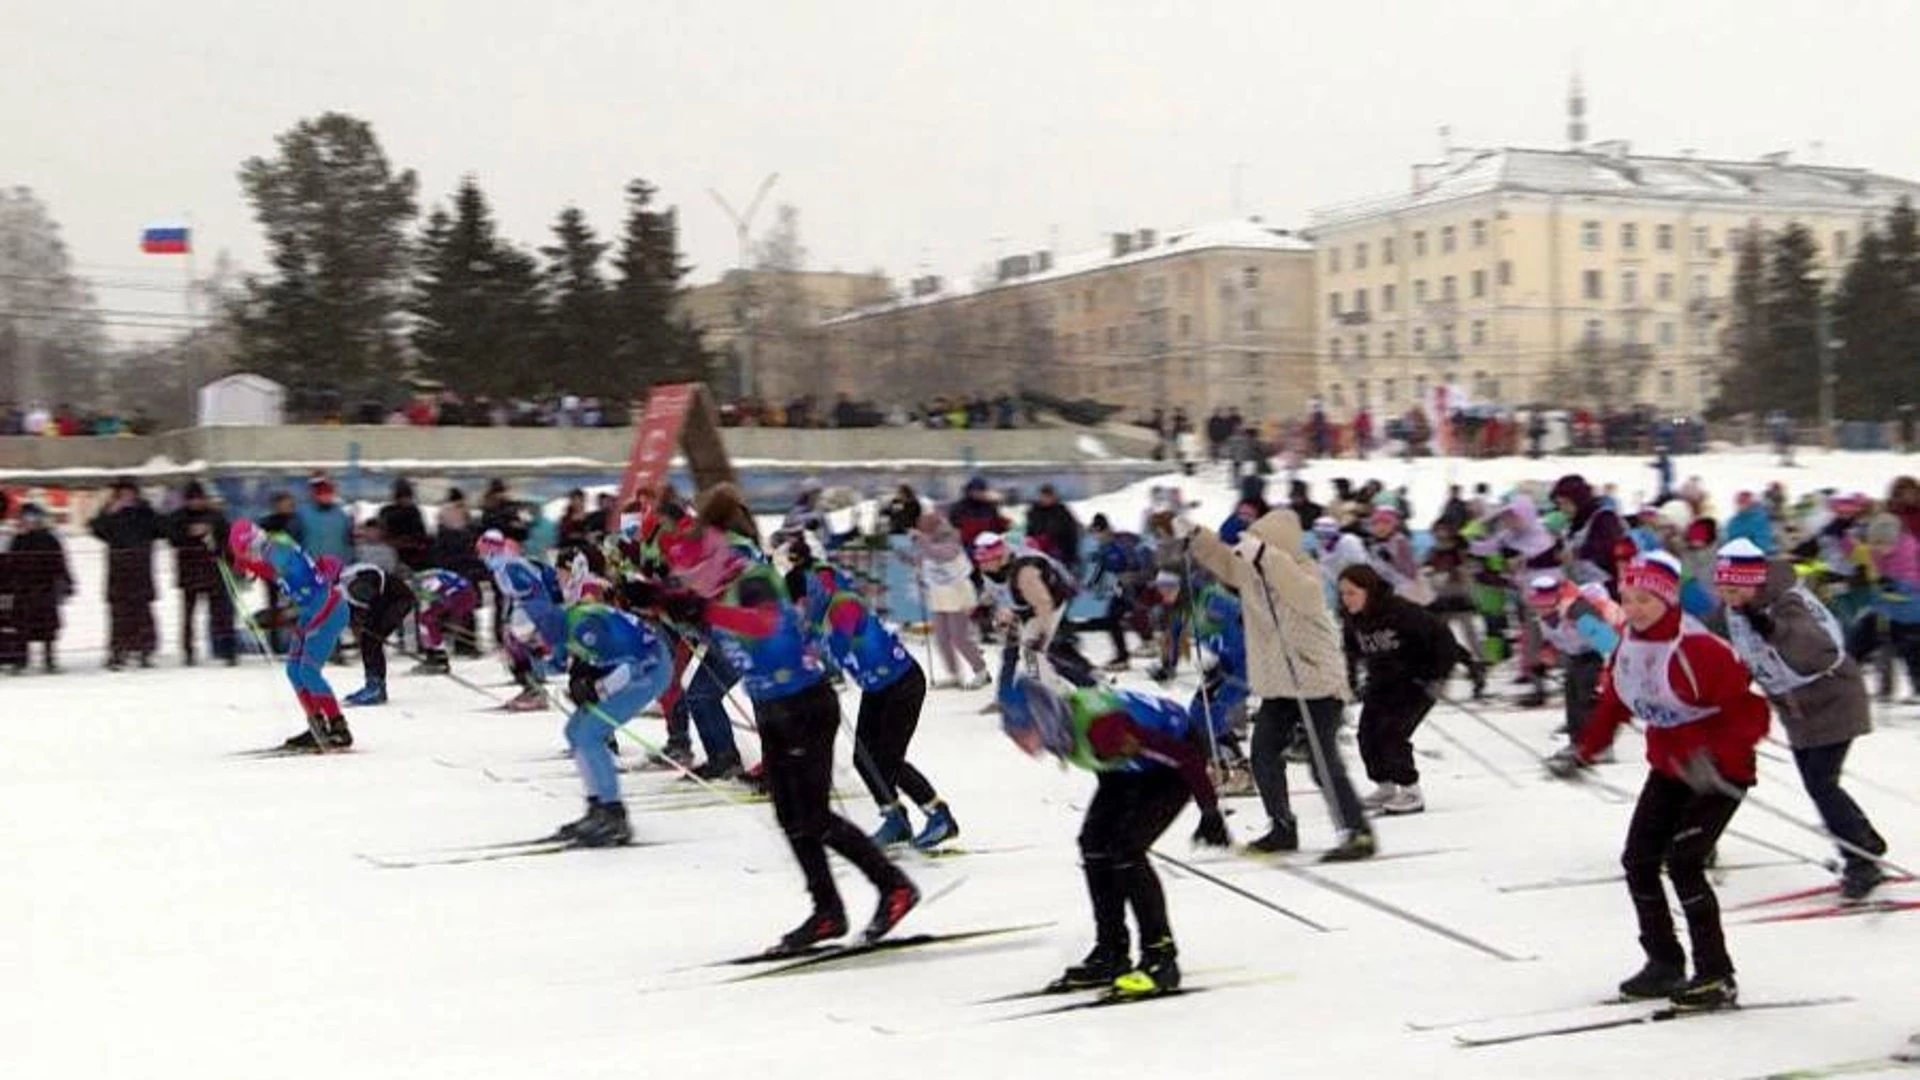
(165, 240)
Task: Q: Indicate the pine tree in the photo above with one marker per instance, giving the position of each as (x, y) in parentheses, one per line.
(477, 313)
(325, 321)
(580, 339)
(1791, 305)
(653, 344)
(1743, 382)
(1877, 319)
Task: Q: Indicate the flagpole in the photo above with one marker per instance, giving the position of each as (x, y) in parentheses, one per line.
(193, 352)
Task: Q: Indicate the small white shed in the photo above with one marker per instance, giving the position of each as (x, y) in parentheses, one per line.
(242, 400)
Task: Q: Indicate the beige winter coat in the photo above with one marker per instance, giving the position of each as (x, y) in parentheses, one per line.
(1293, 645)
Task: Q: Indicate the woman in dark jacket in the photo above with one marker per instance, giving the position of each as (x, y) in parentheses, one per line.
(130, 528)
(198, 532)
(1407, 653)
(38, 578)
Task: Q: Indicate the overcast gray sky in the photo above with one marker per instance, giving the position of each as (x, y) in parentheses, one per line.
(910, 134)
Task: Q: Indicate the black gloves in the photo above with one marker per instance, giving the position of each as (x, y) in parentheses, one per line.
(1213, 830)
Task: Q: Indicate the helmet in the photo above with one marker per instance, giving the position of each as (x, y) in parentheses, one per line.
(1034, 716)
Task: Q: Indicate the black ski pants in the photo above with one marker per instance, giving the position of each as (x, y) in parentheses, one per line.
(1676, 826)
(888, 718)
(1820, 768)
(796, 744)
(372, 628)
(1274, 728)
(1580, 681)
(1129, 811)
(1387, 723)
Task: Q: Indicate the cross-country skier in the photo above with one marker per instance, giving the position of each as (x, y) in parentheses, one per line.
(745, 605)
(893, 689)
(618, 666)
(1703, 720)
(1797, 652)
(535, 634)
(446, 600)
(380, 604)
(1407, 653)
(1214, 614)
(1149, 757)
(1038, 591)
(319, 618)
(1582, 623)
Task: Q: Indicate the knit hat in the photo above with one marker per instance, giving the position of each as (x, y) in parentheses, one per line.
(1847, 505)
(989, 545)
(1656, 572)
(1166, 579)
(1740, 563)
(1544, 591)
(1325, 526)
(1386, 514)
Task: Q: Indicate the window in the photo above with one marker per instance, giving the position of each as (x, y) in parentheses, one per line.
(1590, 285)
(1420, 290)
(1735, 238)
(1840, 246)
(1250, 319)
(1449, 288)
(1699, 287)
(1360, 392)
(1663, 287)
(1666, 385)
(1478, 231)
(1701, 336)
(1478, 334)
(1333, 260)
(1333, 350)
(1087, 303)
(1113, 338)
(1154, 290)
(1493, 390)
(1630, 332)
(1333, 305)
(1419, 388)
(1629, 236)
(1505, 272)
(1419, 339)
(1186, 327)
(1360, 256)
(1479, 287)
(1665, 333)
(1386, 252)
(1594, 332)
(1700, 244)
(1446, 240)
(1250, 277)
(1663, 238)
(1389, 296)
(1338, 394)
(1590, 235)
(1359, 299)
(1360, 346)
(1386, 343)
(1419, 245)
(1447, 340)
(1389, 390)
(1629, 286)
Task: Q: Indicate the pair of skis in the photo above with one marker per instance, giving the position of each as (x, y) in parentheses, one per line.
(478, 853)
(1829, 909)
(1660, 1014)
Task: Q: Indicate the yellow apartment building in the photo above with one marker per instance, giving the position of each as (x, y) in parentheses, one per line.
(763, 322)
(1491, 269)
(1220, 315)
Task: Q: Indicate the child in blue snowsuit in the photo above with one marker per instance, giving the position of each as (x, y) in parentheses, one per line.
(619, 666)
(536, 621)
(320, 617)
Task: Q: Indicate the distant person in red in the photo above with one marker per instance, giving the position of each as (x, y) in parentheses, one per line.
(1703, 720)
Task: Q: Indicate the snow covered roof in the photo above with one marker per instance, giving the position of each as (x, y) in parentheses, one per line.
(1237, 234)
(1610, 169)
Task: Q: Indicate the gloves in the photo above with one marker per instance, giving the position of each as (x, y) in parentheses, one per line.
(639, 595)
(1703, 776)
(1565, 763)
(1761, 622)
(583, 685)
(684, 607)
(1213, 830)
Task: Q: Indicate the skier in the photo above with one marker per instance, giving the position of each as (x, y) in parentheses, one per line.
(1797, 652)
(893, 689)
(445, 599)
(618, 665)
(535, 622)
(1128, 562)
(1582, 623)
(1038, 591)
(319, 618)
(1214, 614)
(1390, 554)
(1148, 756)
(1703, 721)
(745, 605)
(1407, 653)
(380, 604)
(946, 581)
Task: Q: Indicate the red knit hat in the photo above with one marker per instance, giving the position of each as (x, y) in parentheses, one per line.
(1740, 563)
(1656, 572)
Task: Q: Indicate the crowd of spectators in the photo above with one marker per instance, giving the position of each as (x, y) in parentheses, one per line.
(65, 421)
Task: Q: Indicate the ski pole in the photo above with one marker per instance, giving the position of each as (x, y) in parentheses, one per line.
(246, 617)
(1479, 758)
(1325, 776)
(1401, 913)
(1244, 894)
(1193, 636)
(1867, 782)
(1847, 846)
(1588, 779)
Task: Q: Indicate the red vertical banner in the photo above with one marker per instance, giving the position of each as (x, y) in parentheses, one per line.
(654, 441)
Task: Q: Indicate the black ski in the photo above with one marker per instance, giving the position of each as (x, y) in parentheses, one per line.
(479, 855)
(1658, 1016)
(788, 965)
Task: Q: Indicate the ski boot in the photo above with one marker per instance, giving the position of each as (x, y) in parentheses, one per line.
(374, 693)
(1104, 964)
(1357, 846)
(1859, 879)
(755, 779)
(1284, 836)
(337, 736)
(1115, 666)
(605, 826)
(433, 662)
(939, 829)
(893, 828)
(572, 828)
(721, 766)
(527, 701)
(895, 901)
(1705, 993)
(1158, 973)
(671, 755)
(818, 927)
(311, 739)
(1656, 979)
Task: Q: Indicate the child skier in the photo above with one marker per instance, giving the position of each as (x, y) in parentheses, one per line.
(319, 618)
(1703, 721)
(1407, 653)
(535, 622)
(1038, 591)
(445, 600)
(1582, 623)
(379, 603)
(618, 666)
(1797, 653)
(1149, 757)
(1214, 615)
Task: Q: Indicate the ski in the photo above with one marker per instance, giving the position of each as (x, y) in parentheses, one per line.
(1107, 998)
(788, 965)
(1839, 911)
(1883, 1063)
(1719, 873)
(1284, 858)
(267, 752)
(1496, 1018)
(1052, 991)
(480, 855)
(956, 850)
(1658, 1016)
(1832, 888)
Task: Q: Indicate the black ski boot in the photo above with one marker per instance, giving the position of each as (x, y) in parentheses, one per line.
(338, 737)
(895, 902)
(1859, 879)
(1158, 973)
(819, 927)
(1357, 846)
(310, 738)
(606, 826)
(1656, 979)
(571, 829)
(1284, 836)
(722, 766)
(1104, 964)
(1705, 993)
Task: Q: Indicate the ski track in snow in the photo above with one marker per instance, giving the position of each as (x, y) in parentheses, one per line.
(174, 911)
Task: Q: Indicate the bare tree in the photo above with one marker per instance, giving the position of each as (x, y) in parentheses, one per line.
(52, 338)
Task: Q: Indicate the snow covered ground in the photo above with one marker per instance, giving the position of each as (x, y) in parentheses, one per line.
(173, 910)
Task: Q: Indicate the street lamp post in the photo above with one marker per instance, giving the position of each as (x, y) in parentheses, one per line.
(743, 236)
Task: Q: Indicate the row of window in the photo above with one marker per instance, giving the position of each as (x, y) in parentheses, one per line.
(1449, 242)
(1483, 387)
(1592, 238)
(1152, 291)
(1129, 335)
(1666, 334)
(1390, 294)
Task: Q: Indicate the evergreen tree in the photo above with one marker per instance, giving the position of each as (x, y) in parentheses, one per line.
(580, 341)
(476, 302)
(325, 321)
(1877, 319)
(652, 343)
(1744, 380)
(1792, 308)
(52, 342)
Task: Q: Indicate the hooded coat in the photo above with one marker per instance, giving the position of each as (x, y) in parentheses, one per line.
(1403, 646)
(1293, 646)
(1834, 706)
